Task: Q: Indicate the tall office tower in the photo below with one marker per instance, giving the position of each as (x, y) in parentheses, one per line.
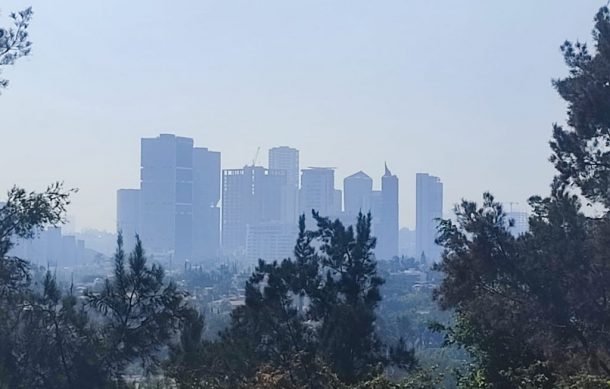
(429, 208)
(166, 196)
(175, 211)
(357, 193)
(387, 244)
(250, 196)
(287, 159)
(318, 191)
(206, 196)
(128, 216)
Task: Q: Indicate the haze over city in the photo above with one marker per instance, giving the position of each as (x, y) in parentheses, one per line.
(459, 90)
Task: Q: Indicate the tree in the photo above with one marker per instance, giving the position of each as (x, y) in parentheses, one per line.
(533, 311)
(307, 322)
(532, 308)
(22, 216)
(138, 310)
(349, 298)
(50, 338)
(14, 42)
(580, 152)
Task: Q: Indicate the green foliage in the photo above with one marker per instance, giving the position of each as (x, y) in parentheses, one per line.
(139, 311)
(14, 42)
(580, 152)
(307, 322)
(533, 311)
(530, 309)
(50, 338)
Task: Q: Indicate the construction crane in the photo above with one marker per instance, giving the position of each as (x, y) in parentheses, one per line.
(255, 159)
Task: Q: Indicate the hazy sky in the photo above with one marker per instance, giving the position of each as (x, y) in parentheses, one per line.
(459, 89)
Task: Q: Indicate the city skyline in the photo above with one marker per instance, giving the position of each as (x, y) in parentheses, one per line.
(342, 93)
(189, 207)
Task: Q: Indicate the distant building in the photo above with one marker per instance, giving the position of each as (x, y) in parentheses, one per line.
(287, 159)
(175, 211)
(166, 184)
(357, 192)
(51, 248)
(206, 197)
(271, 241)
(429, 208)
(250, 196)
(406, 243)
(520, 222)
(128, 216)
(387, 245)
(318, 191)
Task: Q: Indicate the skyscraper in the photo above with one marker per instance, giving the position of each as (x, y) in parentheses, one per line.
(250, 196)
(178, 198)
(206, 196)
(429, 208)
(128, 215)
(287, 159)
(357, 192)
(388, 227)
(166, 183)
(318, 191)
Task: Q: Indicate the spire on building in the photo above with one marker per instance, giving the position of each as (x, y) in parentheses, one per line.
(387, 171)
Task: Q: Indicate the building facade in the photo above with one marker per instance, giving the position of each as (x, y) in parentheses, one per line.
(429, 208)
(287, 159)
(250, 196)
(175, 211)
(387, 244)
(318, 191)
(128, 216)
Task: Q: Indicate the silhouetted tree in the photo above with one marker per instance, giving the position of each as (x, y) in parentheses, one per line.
(350, 294)
(307, 322)
(139, 311)
(534, 310)
(14, 42)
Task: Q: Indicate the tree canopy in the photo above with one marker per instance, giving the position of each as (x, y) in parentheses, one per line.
(533, 310)
(14, 41)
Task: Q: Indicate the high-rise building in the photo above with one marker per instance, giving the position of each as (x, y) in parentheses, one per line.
(357, 192)
(178, 215)
(206, 196)
(429, 208)
(128, 216)
(318, 191)
(287, 159)
(387, 245)
(166, 196)
(250, 196)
